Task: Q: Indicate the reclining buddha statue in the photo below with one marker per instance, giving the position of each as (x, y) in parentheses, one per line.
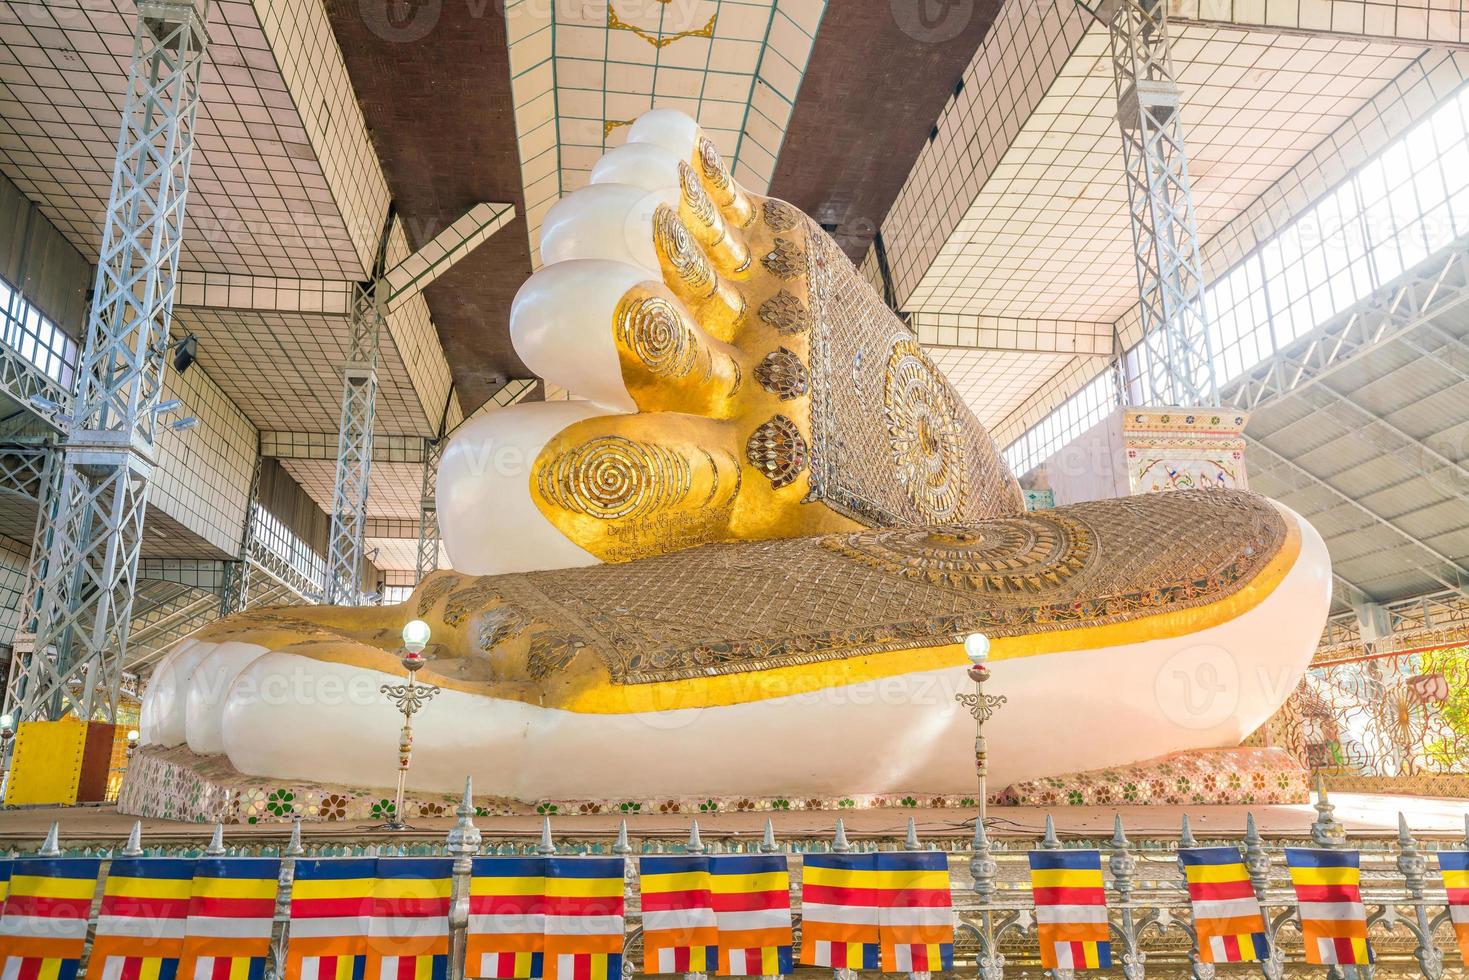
(742, 559)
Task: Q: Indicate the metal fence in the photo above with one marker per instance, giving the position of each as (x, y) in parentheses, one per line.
(1150, 917)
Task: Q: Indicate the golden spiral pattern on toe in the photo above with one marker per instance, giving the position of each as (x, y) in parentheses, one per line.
(611, 477)
(654, 332)
(679, 252)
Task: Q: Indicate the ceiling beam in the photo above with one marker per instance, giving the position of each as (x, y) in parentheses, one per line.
(1432, 289)
(411, 276)
(966, 331)
(1443, 569)
(263, 294)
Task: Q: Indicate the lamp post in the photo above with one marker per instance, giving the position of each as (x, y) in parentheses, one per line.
(408, 698)
(981, 706)
(133, 737)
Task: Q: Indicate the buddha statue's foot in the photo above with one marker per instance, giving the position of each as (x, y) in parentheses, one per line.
(740, 566)
(817, 666)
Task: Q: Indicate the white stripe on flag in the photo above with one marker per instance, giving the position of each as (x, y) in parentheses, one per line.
(43, 927)
(1333, 911)
(660, 919)
(217, 927)
(310, 966)
(1327, 949)
(204, 968)
(346, 925)
(583, 925)
(665, 960)
(1216, 946)
(1225, 908)
(758, 919)
(903, 954)
(382, 927)
(919, 916)
(504, 925)
(1458, 914)
(1063, 955)
(823, 953)
(566, 965)
(112, 968)
(11, 969)
(842, 914)
(1051, 914)
(389, 968)
(139, 927)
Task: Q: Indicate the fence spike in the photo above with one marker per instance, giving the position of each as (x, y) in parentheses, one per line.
(216, 843)
(1466, 831)
(982, 866)
(1121, 862)
(767, 843)
(293, 846)
(51, 846)
(911, 841)
(621, 846)
(1325, 831)
(696, 845)
(134, 845)
(839, 843)
(1119, 838)
(547, 846)
(464, 836)
(1186, 835)
(1050, 842)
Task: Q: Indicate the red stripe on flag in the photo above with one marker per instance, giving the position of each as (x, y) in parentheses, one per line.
(233, 908)
(1215, 891)
(30, 968)
(1070, 896)
(48, 908)
(1231, 948)
(330, 908)
(920, 957)
(833, 895)
(915, 898)
(221, 969)
(132, 967)
(673, 901)
(507, 904)
(1328, 893)
(748, 901)
(326, 968)
(575, 905)
(582, 966)
(411, 907)
(407, 967)
(126, 906)
(838, 956)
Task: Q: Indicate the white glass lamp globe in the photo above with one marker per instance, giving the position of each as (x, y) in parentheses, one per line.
(977, 647)
(133, 735)
(6, 721)
(415, 636)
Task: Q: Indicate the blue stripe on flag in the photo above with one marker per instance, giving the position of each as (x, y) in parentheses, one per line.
(335, 869)
(1453, 860)
(1262, 946)
(413, 867)
(749, 864)
(239, 868)
(1311, 857)
(5, 870)
(1065, 860)
(673, 864)
(912, 861)
(1196, 856)
(508, 867)
(169, 869)
(55, 868)
(584, 867)
(842, 862)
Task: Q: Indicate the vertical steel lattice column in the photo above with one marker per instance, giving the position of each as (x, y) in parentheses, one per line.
(91, 539)
(428, 511)
(235, 596)
(1175, 325)
(354, 448)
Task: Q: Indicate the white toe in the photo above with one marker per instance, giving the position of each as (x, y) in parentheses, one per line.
(162, 717)
(645, 165)
(668, 128)
(210, 684)
(606, 221)
(561, 326)
(489, 523)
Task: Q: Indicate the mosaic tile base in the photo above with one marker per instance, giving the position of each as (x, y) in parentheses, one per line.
(167, 785)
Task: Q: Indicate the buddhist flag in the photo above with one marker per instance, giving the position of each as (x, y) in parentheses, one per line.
(679, 931)
(507, 918)
(584, 918)
(841, 914)
(888, 911)
(1070, 909)
(545, 917)
(752, 912)
(331, 914)
(1227, 916)
(4, 881)
(1328, 891)
(409, 935)
(231, 916)
(1455, 868)
(140, 925)
(44, 926)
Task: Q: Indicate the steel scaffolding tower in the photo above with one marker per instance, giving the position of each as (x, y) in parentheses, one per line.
(428, 509)
(90, 534)
(1179, 363)
(235, 595)
(354, 446)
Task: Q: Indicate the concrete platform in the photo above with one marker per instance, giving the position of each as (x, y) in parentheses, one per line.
(1365, 817)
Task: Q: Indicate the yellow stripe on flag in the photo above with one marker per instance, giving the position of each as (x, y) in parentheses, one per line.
(234, 887)
(584, 888)
(507, 886)
(681, 882)
(1065, 878)
(1456, 879)
(1325, 876)
(344, 967)
(50, 969)
(390, 888)
(1213, 873)
(843, 878)
(769, 961)
(769, 881)
(148, 887)
(239, 968)
(35, 887)
(343, 888)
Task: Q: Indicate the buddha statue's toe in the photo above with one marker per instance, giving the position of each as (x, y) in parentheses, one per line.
(1121, 630)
